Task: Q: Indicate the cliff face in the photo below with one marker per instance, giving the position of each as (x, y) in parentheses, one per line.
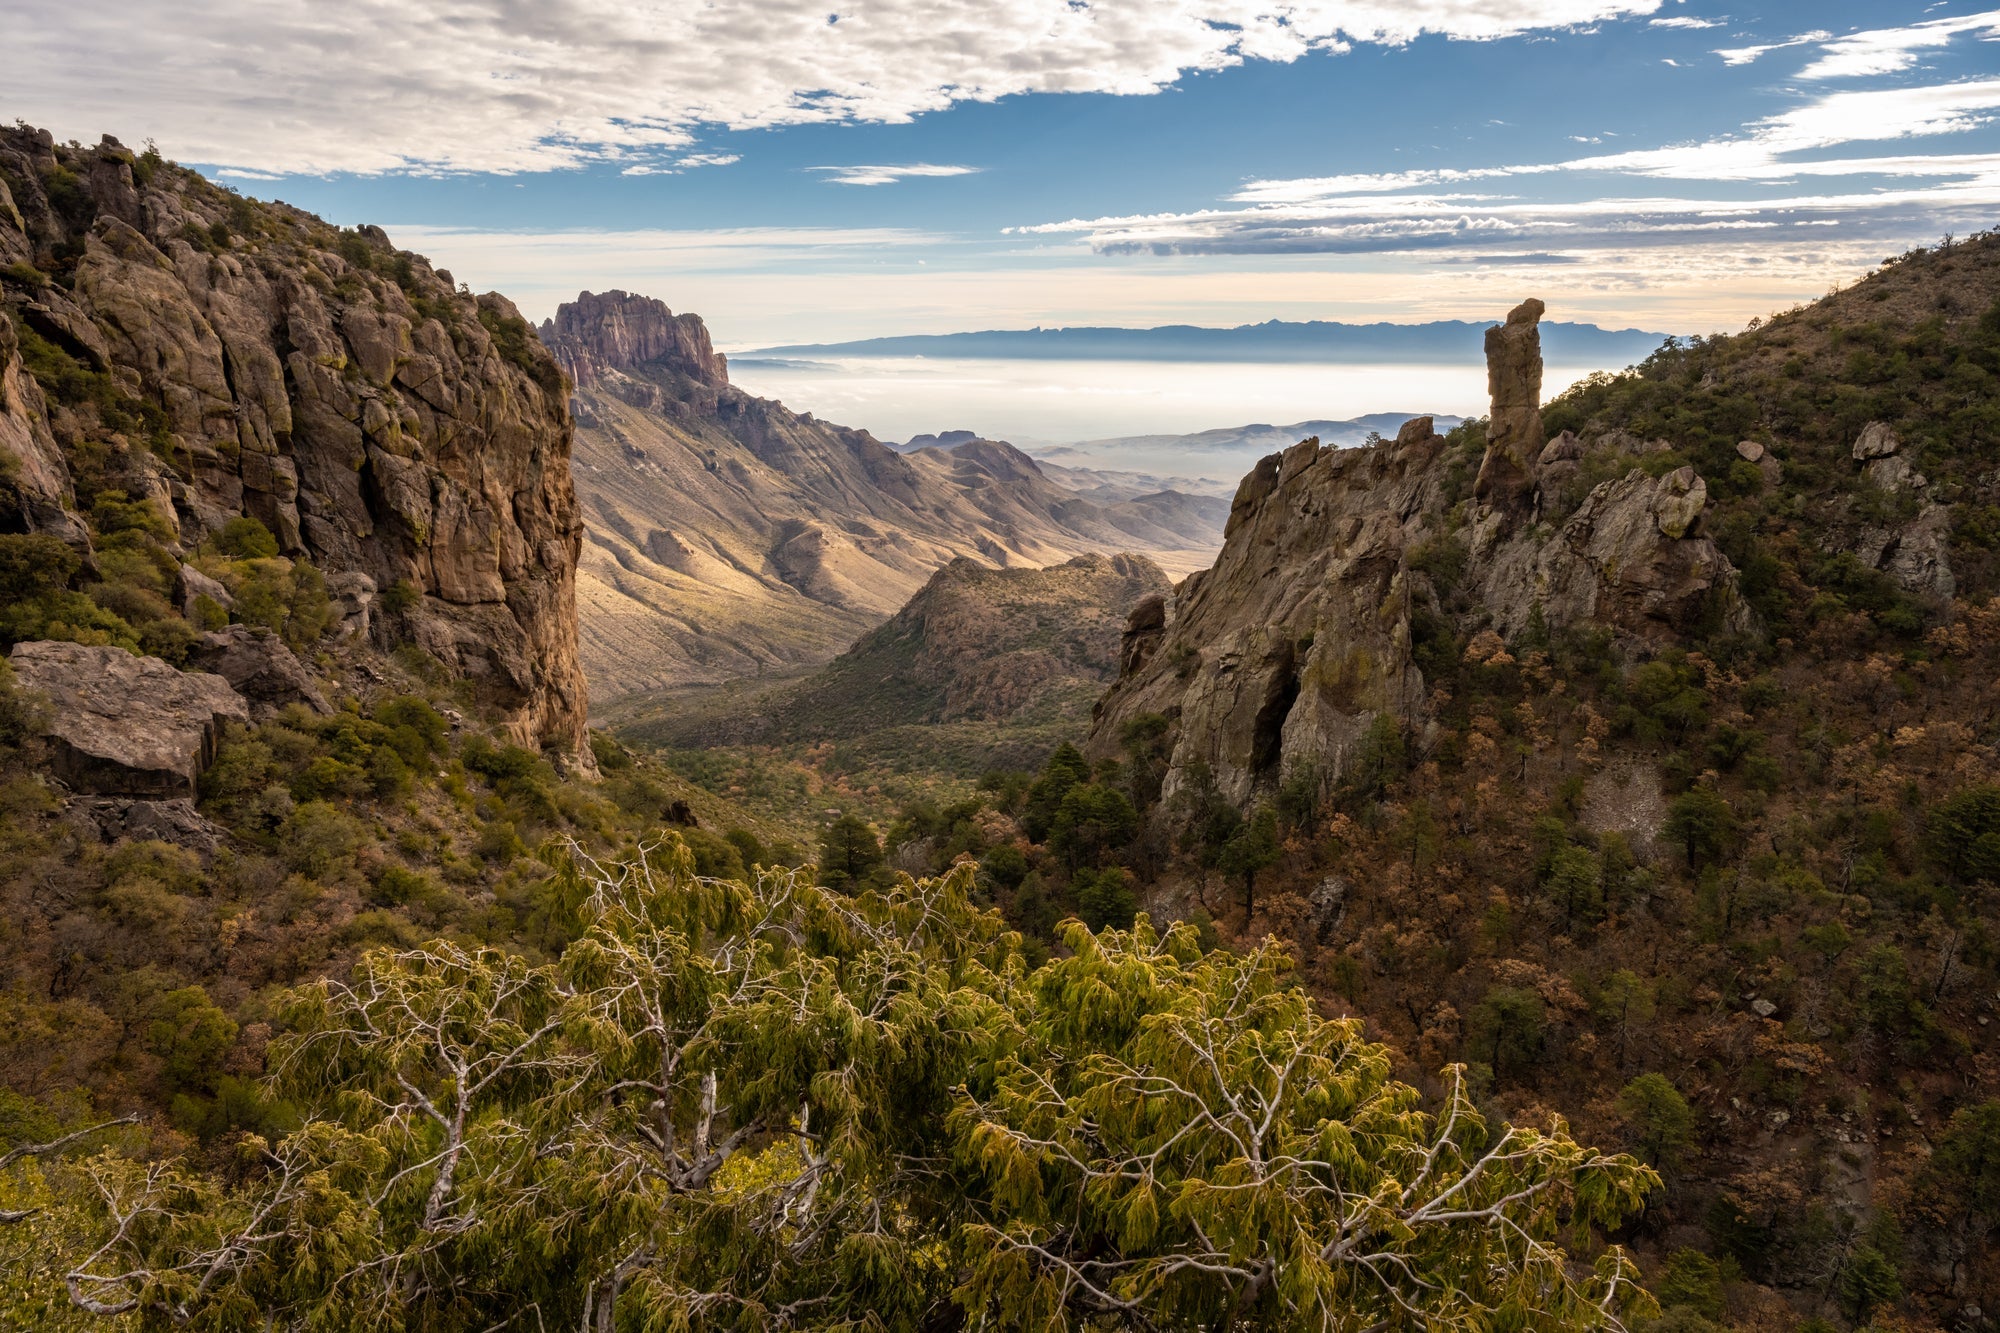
(730, 534)
(1339, 564)
(409, 439)
(619, 331)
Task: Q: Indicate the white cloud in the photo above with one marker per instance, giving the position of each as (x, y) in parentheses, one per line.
(1889, 50)
(1746, 55)
(497, 85)
(708, 160)
(1684, 21)
(888, 175)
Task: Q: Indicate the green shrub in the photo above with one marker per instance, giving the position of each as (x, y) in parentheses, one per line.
(1658, 1118)
(245, 538)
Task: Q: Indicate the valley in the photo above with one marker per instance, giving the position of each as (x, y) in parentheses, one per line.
(498, 818)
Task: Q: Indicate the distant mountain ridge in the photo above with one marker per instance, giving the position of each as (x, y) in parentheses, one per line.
(1449, 341)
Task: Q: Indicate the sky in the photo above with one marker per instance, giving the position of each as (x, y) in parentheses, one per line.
(802, 171)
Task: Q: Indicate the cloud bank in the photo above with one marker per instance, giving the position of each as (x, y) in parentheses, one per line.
(1686, 194)
(502, 86)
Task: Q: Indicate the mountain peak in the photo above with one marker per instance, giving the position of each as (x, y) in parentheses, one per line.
(618, 330)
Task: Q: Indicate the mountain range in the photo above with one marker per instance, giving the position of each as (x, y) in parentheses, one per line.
(1448, 341)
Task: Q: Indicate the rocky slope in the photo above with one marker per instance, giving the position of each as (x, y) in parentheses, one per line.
(165, 340)
(730, 535)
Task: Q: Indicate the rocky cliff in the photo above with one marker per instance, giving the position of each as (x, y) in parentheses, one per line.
(164, 339)
(730, 535)
(1339, 564)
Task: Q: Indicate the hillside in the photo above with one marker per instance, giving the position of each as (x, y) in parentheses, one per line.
(1644, 734)
(287, 558)
(981, 668)
(730, 536)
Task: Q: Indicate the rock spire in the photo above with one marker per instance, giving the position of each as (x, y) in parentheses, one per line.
(1514, 426)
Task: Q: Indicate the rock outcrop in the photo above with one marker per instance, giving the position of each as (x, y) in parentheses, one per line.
(1280, 659)
(1514, 427)
(607, 331)
(122, 725)
(1631, 557)
(259, 666)
(253, 360)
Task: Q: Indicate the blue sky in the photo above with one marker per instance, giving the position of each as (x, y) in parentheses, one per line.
(810, 172)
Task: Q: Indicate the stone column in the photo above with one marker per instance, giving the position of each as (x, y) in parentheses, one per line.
(1514, 426)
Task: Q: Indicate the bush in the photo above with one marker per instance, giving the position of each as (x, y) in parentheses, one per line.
(317, 837)
(1659, 1120)
(246, 539)
(1691, 1280)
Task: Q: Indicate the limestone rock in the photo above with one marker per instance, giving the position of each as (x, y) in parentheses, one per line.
(260, 667)
(1750, 451)
(1875, 441)
(1514, 425)
(124, 725)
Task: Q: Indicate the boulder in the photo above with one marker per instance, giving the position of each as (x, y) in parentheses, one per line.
(353, 596)
(123, 725)
(260, 667)
(1514, 425)
(1678, 502)
(1894, 473)
(1875, 441)
(1560, 461)
(132, 819)
(1750, 451)
(1918, 557)
(190, 583)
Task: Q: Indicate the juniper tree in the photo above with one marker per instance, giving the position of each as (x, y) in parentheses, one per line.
(763, 1105)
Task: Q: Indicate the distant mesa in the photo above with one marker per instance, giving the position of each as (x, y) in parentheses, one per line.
(1441, 342)
(950, 439)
